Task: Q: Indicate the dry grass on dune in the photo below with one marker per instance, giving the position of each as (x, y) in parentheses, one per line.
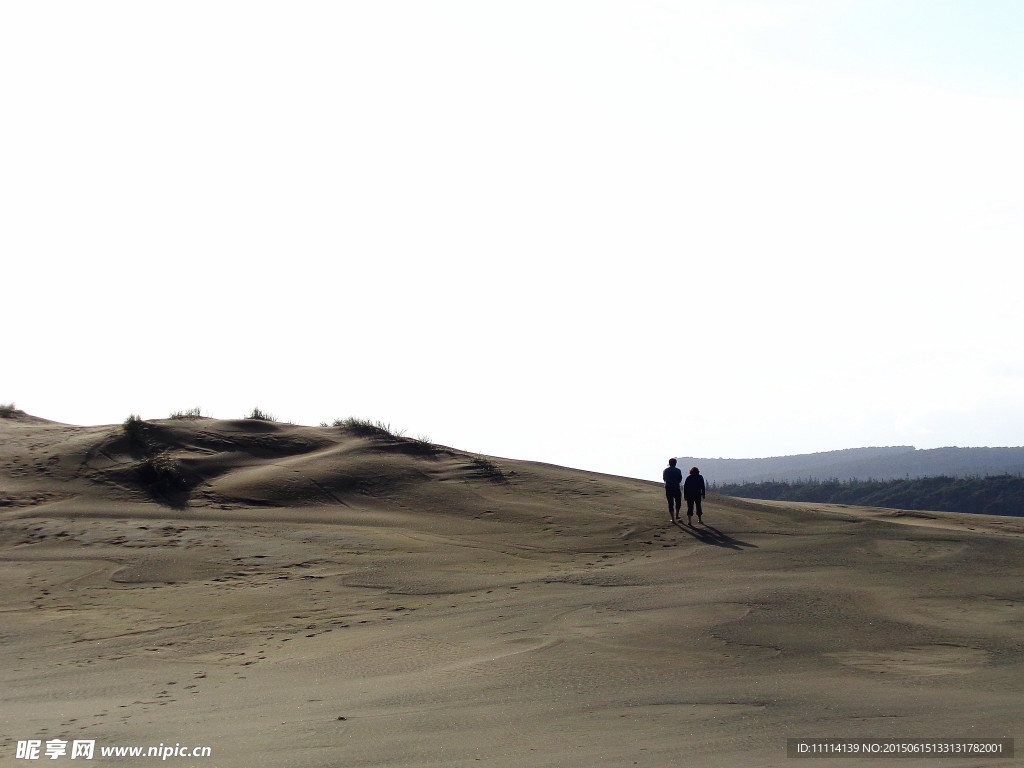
(320, 596)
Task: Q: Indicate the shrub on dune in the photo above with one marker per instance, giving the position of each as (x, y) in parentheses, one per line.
(137, 432)
(487, 468)
(162, 473)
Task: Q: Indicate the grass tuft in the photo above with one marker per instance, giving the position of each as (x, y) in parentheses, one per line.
(7, 410)
(259, 415)
(191, 413)
(419, 446)
(367, 428)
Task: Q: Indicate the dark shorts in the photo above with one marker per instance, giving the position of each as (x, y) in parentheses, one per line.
(674, 495)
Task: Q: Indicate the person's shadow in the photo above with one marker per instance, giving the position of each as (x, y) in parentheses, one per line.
(708, 534)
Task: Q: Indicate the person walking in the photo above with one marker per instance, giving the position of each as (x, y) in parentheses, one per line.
(673, 477)
(694, 490)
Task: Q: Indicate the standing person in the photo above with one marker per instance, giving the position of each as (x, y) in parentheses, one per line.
(673, 476)
(693, 491)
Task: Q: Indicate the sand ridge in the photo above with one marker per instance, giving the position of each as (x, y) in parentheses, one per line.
(321, 598)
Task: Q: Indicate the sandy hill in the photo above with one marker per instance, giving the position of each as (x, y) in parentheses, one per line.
(300, 596)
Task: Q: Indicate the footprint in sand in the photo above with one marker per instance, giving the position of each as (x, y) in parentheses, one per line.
(917, 661)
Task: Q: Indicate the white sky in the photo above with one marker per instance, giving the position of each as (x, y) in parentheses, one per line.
(592, 233)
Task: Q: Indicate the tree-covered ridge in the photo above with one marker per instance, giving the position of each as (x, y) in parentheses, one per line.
(997, 495)
(891, 463)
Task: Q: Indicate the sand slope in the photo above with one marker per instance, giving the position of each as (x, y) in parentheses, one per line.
(452, 615)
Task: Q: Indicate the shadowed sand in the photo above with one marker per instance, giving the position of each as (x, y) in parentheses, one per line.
(312, 597)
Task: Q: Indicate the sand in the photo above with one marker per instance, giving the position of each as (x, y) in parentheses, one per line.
(316, 597)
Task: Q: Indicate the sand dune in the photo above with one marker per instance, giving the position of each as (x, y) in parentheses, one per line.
(300, 596)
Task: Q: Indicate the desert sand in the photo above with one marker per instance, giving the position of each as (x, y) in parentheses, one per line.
(317, 597)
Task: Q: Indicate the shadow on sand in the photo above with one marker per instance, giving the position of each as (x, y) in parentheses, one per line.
(708, 534)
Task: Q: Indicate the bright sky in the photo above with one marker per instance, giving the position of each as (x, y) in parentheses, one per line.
(595, 233)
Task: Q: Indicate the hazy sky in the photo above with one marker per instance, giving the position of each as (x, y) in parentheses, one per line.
(591, 233)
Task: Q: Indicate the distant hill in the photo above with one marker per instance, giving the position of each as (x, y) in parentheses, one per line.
(888, 463)
(992, 495)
